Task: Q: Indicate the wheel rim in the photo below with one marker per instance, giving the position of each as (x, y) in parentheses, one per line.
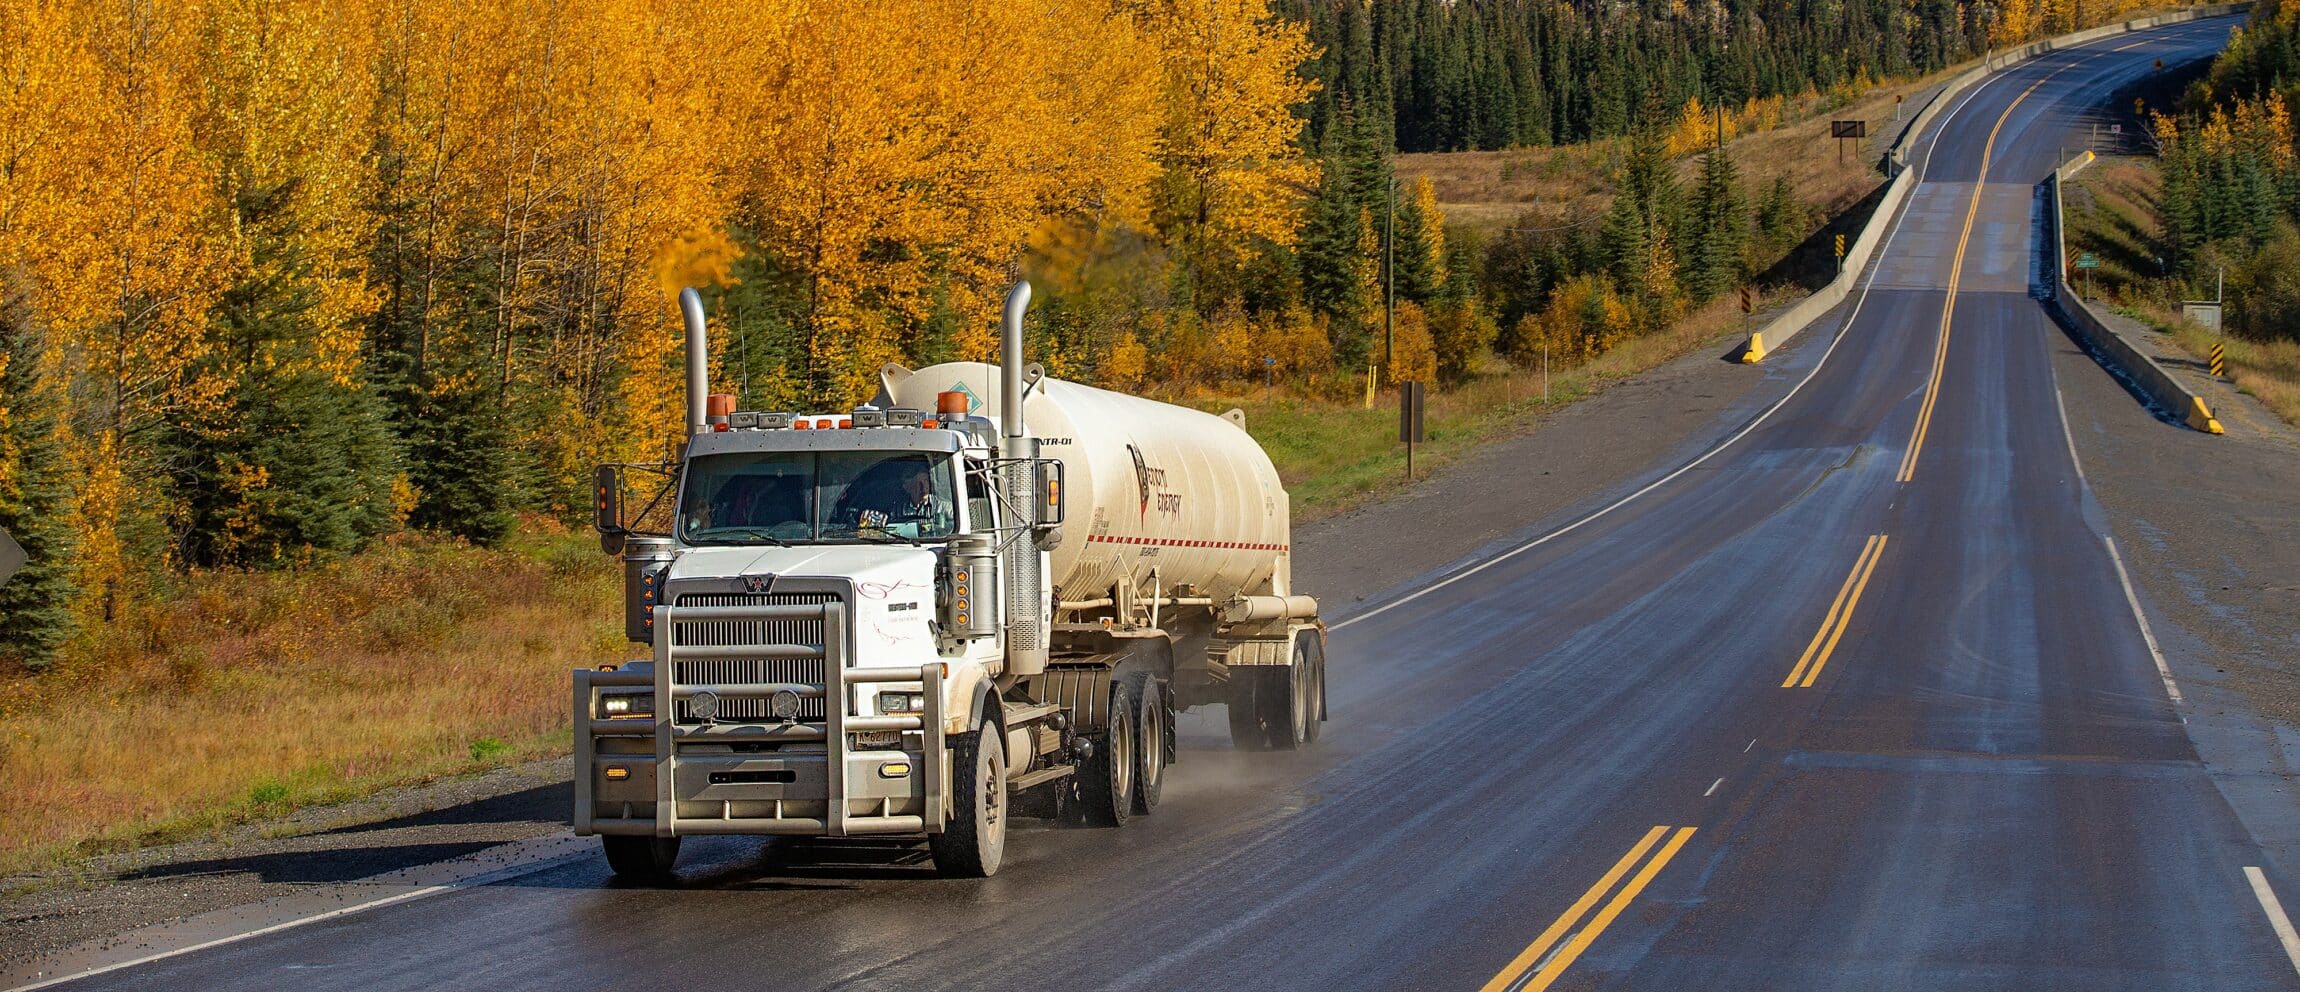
(1122, 756)
(1302, 695)
(993, 804)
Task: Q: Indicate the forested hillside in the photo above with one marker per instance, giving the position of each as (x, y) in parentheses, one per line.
(280, 277)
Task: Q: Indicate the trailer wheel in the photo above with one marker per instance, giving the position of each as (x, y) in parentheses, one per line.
(1245, 706)
(1150, 753)
(1106, 783)
(1310, 660)
(641, 859)
(974, 842)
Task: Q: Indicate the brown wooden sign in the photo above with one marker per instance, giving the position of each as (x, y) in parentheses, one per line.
(1848, 129)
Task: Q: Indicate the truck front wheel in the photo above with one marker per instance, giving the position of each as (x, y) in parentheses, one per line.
(1106, 781)
(974, 842)
(641, 859)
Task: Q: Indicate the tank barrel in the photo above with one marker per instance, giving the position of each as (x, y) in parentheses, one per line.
(698, 363)
(1010, 360)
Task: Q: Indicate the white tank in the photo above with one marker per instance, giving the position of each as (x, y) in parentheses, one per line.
(1149, 484)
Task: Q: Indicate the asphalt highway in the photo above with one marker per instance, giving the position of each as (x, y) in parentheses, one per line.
(1857, 702)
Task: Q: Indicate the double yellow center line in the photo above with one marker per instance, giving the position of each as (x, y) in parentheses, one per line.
(1512, 977)
(1840, 616)
(1956, 275)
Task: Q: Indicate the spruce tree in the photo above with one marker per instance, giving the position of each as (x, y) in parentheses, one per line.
(1715, 255)
(294, 458)
(35, 491)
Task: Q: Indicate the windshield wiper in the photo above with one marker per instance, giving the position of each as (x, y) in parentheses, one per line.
(872, 535)
(756, 533)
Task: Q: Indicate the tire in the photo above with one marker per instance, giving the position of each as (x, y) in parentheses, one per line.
(641, 859)
(973, 844)
(1314, 701)
(1287, 701)
(1106, 783)
(1156, 728)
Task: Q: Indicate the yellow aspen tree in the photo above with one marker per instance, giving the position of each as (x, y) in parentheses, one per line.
(1234, 172)
(1433, 228)
(1413, 355)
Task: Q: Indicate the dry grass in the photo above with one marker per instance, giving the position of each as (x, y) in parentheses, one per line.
(1335, 455)
(237, 696)
(1552, 187)
(2269, 370)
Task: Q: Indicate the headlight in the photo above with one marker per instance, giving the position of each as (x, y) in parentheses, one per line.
(704, 706)
(626, 704)
(891, 703)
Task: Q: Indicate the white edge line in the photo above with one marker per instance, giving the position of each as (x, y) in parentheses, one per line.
(1712, 788)
(1843, 331)
(429, 890)
(2275, 910)
(2123, 578)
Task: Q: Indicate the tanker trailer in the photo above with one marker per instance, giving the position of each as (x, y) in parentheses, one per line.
(986, 593)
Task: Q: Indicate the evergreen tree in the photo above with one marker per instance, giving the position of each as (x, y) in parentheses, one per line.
(296, 457)
(36, 606)
(1715, 257)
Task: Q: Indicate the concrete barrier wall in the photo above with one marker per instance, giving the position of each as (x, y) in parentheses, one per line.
(2155, 383)
(1782, 328)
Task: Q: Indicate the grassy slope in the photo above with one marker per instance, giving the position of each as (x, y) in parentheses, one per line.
(2112, 213)
(239, 696)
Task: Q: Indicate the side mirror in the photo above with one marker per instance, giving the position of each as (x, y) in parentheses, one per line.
(607, 507)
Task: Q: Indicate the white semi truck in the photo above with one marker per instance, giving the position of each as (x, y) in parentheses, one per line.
(985, 594)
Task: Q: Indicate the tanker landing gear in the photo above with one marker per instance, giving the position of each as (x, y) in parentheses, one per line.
(1279, 709)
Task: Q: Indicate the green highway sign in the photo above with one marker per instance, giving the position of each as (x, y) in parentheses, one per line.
(2087, 261)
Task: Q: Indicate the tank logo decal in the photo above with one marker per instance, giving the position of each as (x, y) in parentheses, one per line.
(1141, 478)
(1147, 478)
(1176, 542)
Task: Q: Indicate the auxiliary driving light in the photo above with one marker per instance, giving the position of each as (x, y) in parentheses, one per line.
(786, 705)
(627, 704)
(894, 769)
(704, 706)
(893, 703)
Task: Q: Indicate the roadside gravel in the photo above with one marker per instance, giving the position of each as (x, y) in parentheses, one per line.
(1570, 460)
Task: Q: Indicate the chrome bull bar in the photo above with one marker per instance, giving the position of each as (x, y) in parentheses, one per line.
(727, 790)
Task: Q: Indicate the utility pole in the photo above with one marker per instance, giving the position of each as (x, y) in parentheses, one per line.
(1390, 272)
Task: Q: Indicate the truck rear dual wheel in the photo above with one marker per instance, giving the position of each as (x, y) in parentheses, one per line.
(974, 842)
(1106, 782)
(1157, 730)
(641, 859)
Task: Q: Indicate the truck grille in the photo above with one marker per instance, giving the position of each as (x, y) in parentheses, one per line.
(743, 633)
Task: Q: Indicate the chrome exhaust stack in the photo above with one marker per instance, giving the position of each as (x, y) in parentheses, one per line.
(698, 363)
(1026, 603)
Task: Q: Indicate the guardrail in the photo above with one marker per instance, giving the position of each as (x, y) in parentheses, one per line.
(2150, 378)
(1780, 329)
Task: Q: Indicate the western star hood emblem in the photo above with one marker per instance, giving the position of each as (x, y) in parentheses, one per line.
(758, 584)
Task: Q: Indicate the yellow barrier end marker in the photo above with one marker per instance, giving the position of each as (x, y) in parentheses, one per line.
(1756, 351)
(2200, 417)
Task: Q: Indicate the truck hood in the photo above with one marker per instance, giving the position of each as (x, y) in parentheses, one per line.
(894, 595)
(863, 563)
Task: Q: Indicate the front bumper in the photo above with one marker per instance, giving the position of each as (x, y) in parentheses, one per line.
(657, 776)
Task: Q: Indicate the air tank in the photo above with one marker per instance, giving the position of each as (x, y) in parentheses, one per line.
(1148, 485)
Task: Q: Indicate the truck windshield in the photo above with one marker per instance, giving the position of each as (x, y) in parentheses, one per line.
(781, 497)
